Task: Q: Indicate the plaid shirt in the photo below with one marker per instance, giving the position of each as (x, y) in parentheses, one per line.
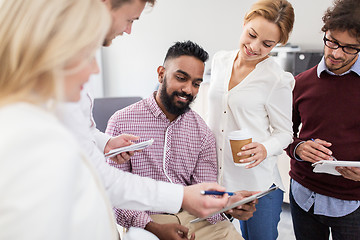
(183, 151)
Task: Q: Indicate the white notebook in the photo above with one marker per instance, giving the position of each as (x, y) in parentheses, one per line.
(328, 166)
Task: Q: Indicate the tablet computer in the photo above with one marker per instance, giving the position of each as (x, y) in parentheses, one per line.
(238, 203)
(328, 166)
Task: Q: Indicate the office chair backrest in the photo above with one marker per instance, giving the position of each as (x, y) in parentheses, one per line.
(104, 108)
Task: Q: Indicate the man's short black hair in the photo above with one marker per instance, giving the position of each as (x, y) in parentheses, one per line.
(187, 48)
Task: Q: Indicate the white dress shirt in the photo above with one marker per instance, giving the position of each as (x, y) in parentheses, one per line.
(262, 103)
(48, 189)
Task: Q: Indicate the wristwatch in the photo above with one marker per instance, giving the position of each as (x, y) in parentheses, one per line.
(227, 216)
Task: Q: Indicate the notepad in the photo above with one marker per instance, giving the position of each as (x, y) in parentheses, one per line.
(327, 166)
(130, 148)
(238, 203)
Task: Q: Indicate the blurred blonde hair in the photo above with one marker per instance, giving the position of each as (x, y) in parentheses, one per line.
(279, 12)
(38, 38)
(115, 4)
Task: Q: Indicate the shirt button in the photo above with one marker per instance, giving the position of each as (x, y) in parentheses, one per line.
(220, 149)
(222, 130)
(220, 167)
(224, 111)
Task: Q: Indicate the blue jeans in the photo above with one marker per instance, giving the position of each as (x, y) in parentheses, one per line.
(263, 225)
(309, 226)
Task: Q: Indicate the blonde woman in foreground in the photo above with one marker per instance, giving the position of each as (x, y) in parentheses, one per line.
(48, 189)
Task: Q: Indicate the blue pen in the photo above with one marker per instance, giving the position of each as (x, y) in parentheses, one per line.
(216, 193)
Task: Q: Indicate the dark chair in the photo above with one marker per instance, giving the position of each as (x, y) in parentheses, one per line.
(104, 108)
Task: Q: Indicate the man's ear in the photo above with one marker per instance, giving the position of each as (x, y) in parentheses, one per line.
(161, 73)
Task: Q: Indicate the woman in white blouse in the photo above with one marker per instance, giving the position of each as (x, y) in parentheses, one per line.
(250, 91)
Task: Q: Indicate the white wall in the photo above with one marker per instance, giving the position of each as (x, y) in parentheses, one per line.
(129, 65)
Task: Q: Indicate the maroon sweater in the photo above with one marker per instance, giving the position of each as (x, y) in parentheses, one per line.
(328, 108)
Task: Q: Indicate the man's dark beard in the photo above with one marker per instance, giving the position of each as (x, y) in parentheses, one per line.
(169, 102)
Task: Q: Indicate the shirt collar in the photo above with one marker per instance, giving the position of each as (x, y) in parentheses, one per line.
(156, 110)
(154, 107)
(322, 67)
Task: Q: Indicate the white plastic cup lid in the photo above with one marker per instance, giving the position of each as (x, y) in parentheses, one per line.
(240, 134)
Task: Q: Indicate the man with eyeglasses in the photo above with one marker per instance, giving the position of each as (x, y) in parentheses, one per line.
(326, 102)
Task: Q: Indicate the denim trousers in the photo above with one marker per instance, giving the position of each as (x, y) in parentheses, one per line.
(263, 224)
(310, 226)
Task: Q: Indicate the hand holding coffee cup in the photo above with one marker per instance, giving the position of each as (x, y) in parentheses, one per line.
(238, 139)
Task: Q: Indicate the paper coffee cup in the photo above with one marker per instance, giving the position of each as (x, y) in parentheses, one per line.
(237, 140)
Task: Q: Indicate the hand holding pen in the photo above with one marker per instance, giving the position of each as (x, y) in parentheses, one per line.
(332, 157)
(314, 150)
(201, 205)
(242, 212)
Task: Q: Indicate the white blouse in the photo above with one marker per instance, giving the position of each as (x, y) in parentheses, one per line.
(262, 103)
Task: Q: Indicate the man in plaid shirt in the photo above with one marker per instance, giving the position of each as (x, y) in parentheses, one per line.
(183, 151)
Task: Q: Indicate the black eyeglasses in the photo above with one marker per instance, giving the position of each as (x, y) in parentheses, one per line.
(335, 45)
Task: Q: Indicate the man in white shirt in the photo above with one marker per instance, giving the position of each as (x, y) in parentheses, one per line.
(125, 190)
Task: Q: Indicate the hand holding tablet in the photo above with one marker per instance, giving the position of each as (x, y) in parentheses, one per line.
(133, 147)
(327, 166)
(238, 203)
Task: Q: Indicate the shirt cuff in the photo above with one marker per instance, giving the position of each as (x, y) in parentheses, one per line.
(294, 153)
(272, 147)
(142, 220)
(101, 139)
(172, 197)
(216, 218)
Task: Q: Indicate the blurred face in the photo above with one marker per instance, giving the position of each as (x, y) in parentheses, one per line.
(123, 18)
(77, 73)
(258, 38)
(336, 60)
(180, 80)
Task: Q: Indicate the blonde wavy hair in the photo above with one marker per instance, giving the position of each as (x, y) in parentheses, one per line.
(38, 38)
(279, 12)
